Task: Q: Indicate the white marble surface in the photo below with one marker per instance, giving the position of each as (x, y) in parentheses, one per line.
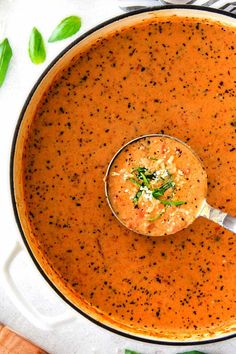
(17, 17)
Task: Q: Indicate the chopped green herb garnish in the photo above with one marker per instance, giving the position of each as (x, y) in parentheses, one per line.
(151, 176)
(137, 196)
(158, 216)
(144, 178)
(127, 351)
(172, 202)
(140, 169)
(134, 181)
(158, 192)
(144, 174)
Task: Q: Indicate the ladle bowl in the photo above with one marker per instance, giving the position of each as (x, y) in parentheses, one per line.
(204, 210)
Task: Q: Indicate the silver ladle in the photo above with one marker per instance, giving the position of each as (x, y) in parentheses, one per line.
(207, 211)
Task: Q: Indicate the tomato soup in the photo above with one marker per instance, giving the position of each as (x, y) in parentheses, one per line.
(170, 75)
(156, 185)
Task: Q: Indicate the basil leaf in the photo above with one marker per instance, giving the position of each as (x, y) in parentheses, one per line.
(172, 202)
(192, 352)
(127, 351)
(5, 57)
(66, 28)
(37, 52)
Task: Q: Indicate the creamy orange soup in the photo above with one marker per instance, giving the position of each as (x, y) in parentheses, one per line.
(170, 75)
(156, 185)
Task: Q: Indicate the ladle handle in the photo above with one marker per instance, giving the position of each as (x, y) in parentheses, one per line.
(219, 217)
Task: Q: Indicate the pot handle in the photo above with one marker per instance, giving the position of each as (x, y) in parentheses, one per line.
(26, 309)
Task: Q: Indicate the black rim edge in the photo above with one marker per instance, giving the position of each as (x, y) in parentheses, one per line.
(12, 153)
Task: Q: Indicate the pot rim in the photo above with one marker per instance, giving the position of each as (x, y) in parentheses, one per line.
(120, 332)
